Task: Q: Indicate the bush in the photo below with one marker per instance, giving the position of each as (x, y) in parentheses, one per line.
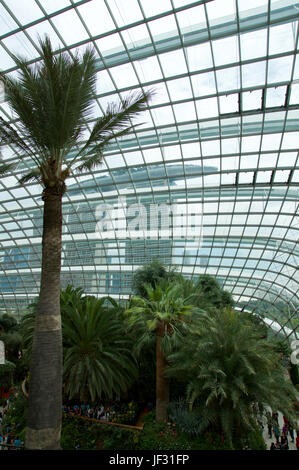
(6, 374)
(253, 441)
(294, 374)
(168, 436)
(78, 432)
(16, 415)
(186, 421)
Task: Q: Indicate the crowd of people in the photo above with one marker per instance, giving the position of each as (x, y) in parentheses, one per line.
(283, 435)
(99, 411)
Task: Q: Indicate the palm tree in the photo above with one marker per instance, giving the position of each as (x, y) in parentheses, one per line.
(232, 374)
(98, 359)
(97, 354)
(165, 316)
(52, 101)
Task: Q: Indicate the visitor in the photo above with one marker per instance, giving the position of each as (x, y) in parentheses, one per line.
(100, 411)
(17, 443)
(285, 429)
(275, 446)
(269, 424)
(284, 443)
(285, 420)
(291, 431)
(276, 431)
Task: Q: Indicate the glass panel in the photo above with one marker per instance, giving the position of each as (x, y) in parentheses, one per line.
(26, 12)
(172, 62)
(95, 15)
(125, 12)
(252, 100)
(199, 57)
(74, 34)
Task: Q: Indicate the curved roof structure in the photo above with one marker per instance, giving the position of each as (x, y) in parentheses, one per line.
(209, 179)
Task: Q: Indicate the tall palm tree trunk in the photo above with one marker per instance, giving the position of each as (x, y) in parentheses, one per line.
(162, 383)
(45, 392)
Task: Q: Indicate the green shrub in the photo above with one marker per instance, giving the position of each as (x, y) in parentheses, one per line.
(253, 441)
(77, 432)
(117, 438)
(168, 436)
(16, 415)
(294, 374)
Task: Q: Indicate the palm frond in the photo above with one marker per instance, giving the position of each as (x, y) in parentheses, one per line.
(7, 167)
(33, 175)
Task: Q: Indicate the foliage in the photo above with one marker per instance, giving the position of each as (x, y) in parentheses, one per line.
(167, 436)
(187, 421)
(253, 440)
(127, 414)
(6, 374)
(76, 432)
(17, 414)
(228, 368)
(257, 322)
(8, 323)
(113, 438)
(53, 100)
(206, 293)
(294, 374)
(12, 341)
(163, 305)
(97, 353)
(87, 436)
(152, 273)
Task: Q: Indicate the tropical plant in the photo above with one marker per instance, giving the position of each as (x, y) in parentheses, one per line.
(152, 273)
(232, 375)
(8, 324)
(97, 354)
(52, 101)
(6, 374)
(206, 293)
(165, 317)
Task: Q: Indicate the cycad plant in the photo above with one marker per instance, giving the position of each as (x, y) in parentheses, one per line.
(232, 374)
(165, 316)
(98, 361)
(52, 100)
(97, 355)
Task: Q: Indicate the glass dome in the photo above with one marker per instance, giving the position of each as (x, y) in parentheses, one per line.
(208, 180)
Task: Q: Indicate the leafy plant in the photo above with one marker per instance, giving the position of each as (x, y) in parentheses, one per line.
(229, 368)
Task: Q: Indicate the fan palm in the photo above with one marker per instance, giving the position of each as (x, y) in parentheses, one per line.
(52, 101)
(229, 369)
(165, 316)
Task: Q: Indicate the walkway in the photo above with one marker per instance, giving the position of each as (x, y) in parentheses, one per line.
(268, 441)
